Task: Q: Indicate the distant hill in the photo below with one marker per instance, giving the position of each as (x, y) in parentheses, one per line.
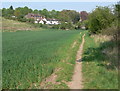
(13, 25)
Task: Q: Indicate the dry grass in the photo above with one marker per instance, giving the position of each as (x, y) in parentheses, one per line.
(110, 48)
(102, 38)
(13, 25)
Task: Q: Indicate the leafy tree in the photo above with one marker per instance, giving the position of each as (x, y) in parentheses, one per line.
(35, 11)
(17, 13)
(100, 18)
(10, 11)
(23, 11)
(75, 16)
(115, 24)
(64, 16)
(4, 12)
(20, 12)
(7, 12)
(45, 12)
(117, 10)
(69, 16)
(66, 25)
(53, 14)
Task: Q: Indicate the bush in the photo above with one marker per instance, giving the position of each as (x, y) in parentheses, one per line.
(113, 31)
(66, 26)
(78, 25)
(46, 26)
(30, 20)
(38, 25)
(22, 19)
(100, 18)
(56, 26)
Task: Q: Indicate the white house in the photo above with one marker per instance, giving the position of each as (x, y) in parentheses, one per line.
(48, 22)
(41, 21)
(13, 16)
(83, 27)
(55, 22)
(36, 21)
(44, 19)
(52, 22)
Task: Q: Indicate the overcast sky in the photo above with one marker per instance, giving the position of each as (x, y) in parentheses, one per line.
(78, 6)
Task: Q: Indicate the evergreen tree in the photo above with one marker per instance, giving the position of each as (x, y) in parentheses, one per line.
(11, 7)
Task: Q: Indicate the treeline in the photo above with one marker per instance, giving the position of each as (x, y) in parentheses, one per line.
(101, 20)
(72, 17)
(20, 12)
(64, 15)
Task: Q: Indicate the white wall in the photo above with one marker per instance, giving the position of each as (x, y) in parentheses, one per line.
(41, 22)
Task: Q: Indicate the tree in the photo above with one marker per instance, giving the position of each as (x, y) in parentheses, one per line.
(36, 11)
(100, 18)
(64, 16)
(11, 7)
(26, 10)
(69, 16)
(117, 10)
(115, 24)
(4, 12)
(66, 25)
(83, 15)
(7, 12)
(17, 13)
(45, 12)
(53, 14)
(20, 12)
(75, 16)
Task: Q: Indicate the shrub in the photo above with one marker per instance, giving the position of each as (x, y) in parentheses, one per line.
(56, 26)
(38, 25)
(78, 25)
(100, 18)
(30, 20)
(66, 25)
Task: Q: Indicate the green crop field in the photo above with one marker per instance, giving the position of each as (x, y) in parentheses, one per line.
(30, 56)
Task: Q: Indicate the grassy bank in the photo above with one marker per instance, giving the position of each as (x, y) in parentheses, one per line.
(13, 25)
(100, 63)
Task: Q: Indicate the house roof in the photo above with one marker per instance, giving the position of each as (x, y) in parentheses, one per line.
(50, 19)
(35, 15)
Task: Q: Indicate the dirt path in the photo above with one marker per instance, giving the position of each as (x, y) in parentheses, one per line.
(76, 82)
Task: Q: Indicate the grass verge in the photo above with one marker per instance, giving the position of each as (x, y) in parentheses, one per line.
(100, 63)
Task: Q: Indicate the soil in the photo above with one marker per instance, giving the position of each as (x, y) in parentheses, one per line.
(76, 82)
